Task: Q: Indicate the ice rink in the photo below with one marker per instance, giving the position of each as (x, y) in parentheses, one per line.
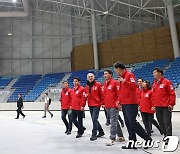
(34, 135)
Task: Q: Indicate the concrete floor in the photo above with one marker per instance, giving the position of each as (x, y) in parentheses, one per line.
(34, 135)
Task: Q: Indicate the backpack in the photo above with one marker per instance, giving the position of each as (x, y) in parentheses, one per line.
(49, 101)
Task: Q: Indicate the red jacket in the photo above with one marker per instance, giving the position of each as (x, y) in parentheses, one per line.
(146, 101)
(65, 98)
(138, 93)
(127, 91)
(111, 88)
(95, 97)
(77, 98)
(163, 93)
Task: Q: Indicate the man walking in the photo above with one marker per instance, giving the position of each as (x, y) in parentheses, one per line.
(78, 103)
(94, 96)
(163, 97)
(129, 102)
(20, 106)
(46, 106)
(111, 88)
(66, 107)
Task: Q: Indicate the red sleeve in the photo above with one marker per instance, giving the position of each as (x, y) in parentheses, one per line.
(60, 96)
(117, 89)
(70, 91)
(152, 104)
(131, 81)
(138, 93)
(171, 93)
(83, 102)
(101, 95)
(102, 89)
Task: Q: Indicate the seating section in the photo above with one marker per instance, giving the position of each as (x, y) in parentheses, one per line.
(82, 75)
(23, 85)
(146, 71)
(4, 81)
(47, 80)
(130, 67)
(173, 72)
(32, 86)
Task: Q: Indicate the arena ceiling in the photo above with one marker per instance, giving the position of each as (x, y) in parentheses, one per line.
(129, 10)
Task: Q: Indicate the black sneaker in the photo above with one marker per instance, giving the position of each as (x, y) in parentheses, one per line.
(147, 142)
(44, 117)
(101, 134)
(24, 116)
(68, 133)
(128, 147)
(93, 138)
(51, 115)
(16, 118)
(78, 135)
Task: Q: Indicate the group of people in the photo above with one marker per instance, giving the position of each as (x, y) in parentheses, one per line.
(122, 94)
(115, 95)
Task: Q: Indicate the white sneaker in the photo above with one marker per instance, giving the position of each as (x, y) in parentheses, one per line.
(120, 139)
(110, 142)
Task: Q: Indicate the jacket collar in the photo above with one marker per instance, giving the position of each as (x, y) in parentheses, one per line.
(124, 73)
(108, 81)
(65, 89)
(160, 80)
(76, 88)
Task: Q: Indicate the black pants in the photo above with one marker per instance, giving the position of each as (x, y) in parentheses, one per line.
(130, 113)
(148, 120)
(19, 111)
(77, 119)
(68, 123)
(120, 119)
(164, 118)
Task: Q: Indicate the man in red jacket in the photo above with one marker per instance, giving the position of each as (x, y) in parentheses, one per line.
(66, 107)
(129, 102)
(94, 96)
(78, 104)
(163, 97)
(139, 88)
(111, 88)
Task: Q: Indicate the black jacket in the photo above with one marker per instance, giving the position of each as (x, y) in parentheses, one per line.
(20, 102)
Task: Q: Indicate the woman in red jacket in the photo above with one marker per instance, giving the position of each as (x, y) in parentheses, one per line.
(147, 108)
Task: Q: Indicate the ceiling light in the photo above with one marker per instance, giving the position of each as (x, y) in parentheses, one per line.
(9, 34)
(14, 1)
(106, 12)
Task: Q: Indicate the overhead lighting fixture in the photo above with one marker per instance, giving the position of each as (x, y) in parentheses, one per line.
(14, 1)
(9, 34)
(106, 12)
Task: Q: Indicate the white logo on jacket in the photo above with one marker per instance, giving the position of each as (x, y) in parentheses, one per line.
(161, 86)
(147, 95)
(66, 93)
(132, 80)
(77, 92)
(109, 87)
(95, 88)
